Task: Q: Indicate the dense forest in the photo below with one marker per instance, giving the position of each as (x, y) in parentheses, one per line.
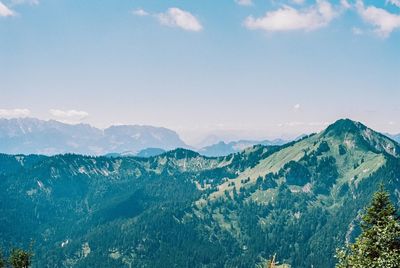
(299, 202)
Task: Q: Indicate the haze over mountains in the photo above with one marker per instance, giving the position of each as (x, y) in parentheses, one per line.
(222, 149)
(395, 137)
(299, 201)
(34, 136)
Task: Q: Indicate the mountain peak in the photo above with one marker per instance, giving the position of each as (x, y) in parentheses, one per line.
(346, 129)
(181, 153)
(344, 126)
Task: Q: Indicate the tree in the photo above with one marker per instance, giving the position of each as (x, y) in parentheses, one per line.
(379, 243)
(271, 263)
(2, 260)
(20, 258)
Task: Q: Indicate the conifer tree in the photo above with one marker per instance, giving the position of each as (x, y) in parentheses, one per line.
(20, 258)
(271, 263)
(2, 260)
(378, 246)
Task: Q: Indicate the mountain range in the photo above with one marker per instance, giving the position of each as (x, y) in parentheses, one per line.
(34, 136)
(222, 149)
(298, 201)
(395, 137)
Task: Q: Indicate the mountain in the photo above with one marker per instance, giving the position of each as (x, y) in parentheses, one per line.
(300, 201)
(34, 136)
(208, 140)
(136, 138)
(222, 149)
(395, 137)
(149, 152)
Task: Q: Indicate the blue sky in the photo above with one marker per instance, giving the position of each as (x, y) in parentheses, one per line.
(251, 69)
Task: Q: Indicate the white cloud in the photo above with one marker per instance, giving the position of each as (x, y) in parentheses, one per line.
(5, 11)
(244, 2)
(69, 115)
(357, 31)
(175, 17)
(297, 106)
(309, 124)
(394, 2)
(291, 124)
(23, 2)
(140, 12)
(345, 4)
(289, 19)
(298, 2)
(383, 21)
(318, 124)
(14, 113)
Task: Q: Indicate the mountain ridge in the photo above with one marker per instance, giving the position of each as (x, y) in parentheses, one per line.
(31, 135)
(298, 200)
(222, 148)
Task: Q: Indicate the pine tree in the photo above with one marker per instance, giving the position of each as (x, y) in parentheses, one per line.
(271, 263)
(2, 260)
(378, 246)
(20, 258)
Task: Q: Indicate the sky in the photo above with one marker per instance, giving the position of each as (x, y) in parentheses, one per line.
(231, 68)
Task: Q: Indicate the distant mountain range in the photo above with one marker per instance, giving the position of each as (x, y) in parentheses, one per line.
(298, 201)
(34, 136)
(145, 153)
(222, 149)
(395, 137)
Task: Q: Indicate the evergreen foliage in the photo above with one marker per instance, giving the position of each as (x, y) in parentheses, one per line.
(2, 260)
(378, 246)
(20, 258)
(181, 209)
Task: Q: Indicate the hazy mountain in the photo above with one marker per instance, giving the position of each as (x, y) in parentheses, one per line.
(395, 137)
(208, 140)
(222, 149)
(33, 136)
(299, 201)
(149, 152)
(136, 138)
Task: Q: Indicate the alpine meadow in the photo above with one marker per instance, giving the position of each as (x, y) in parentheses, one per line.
(200, 134)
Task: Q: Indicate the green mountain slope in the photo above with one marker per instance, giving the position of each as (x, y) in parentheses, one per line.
(181, 209)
